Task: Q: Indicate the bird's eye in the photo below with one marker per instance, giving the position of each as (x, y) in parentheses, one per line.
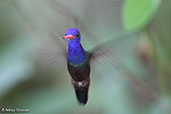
(65, 34)
(77, 35)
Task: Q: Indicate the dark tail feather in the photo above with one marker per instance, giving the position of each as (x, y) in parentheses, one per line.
(82, 95)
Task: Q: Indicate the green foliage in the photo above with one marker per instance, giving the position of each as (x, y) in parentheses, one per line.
(137, 13)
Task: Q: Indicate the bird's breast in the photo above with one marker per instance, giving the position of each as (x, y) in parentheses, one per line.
(76, 56)
(80, 71)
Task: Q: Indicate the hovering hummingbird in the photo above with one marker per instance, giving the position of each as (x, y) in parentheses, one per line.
(78, 59)
(78, 62)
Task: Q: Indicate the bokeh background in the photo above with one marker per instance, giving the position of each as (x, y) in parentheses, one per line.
(132, 77)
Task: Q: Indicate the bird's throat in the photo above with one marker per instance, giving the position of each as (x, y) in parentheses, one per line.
(76, 53)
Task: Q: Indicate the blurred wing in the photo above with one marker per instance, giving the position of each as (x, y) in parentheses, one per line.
(51, 54)
(107, 51)
(73, 19)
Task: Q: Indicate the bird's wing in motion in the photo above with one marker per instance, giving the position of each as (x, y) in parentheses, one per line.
(73, 20)
(106, 52)
(51, 54)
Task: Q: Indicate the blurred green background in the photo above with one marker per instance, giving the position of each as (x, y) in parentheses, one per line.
(134, 79)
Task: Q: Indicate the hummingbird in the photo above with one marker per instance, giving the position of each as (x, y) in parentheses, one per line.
(78, 63)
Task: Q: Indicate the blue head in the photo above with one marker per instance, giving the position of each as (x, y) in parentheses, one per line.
(76, 53)
(72, 36)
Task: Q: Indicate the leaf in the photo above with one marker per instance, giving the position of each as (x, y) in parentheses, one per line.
(137, 13)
